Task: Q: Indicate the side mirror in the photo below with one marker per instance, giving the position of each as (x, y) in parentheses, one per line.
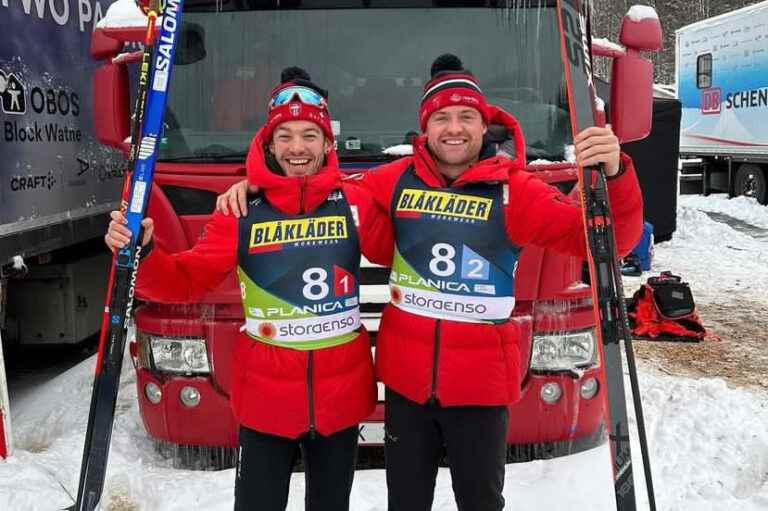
(103, 46)
(111, 111)
(631, 97)
(111, 117)
(632, 75)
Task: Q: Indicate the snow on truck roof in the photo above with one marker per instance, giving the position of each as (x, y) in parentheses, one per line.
(642, 12)
(123, 14)
(721, 17)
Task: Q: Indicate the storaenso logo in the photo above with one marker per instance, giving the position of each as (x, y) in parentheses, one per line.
(334, 325)
(163, 61)
(12, 94)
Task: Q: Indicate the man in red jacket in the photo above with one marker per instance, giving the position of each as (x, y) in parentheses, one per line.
(302, 371)
(446, 349)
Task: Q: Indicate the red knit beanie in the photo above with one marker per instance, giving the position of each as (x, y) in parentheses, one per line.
(450, 85)
(295, 109)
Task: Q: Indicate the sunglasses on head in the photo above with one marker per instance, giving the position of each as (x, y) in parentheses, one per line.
(304, 94)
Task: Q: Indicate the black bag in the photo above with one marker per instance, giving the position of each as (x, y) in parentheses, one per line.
(663, 309)
(673, 297)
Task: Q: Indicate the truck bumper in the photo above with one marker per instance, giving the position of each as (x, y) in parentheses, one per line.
(570, 425)
(209, 423)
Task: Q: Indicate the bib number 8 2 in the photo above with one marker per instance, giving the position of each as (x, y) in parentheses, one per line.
(442, 263)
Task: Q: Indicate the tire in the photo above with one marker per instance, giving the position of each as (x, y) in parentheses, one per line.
(751, 181)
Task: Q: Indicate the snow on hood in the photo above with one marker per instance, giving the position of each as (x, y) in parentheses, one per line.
(599, 104)
(399, 150)
(542, 161)
(606, 43)
(123, 14)
(570, 153)
(642, 12)
(18, 263)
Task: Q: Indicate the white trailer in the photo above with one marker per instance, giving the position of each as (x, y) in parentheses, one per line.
(722, 83)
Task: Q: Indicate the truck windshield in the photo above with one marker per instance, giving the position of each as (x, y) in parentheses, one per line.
(374, 62)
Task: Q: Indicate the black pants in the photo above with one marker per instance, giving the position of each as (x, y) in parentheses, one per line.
(474, 438)
(266, 461)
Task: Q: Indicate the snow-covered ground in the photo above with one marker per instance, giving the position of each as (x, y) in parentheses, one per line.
(709, 440)
(720, 263)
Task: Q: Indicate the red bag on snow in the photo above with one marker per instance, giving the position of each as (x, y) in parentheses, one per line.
(664, 309)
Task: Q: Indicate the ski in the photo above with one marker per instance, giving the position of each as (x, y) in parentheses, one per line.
(148, 121)
(605, 276)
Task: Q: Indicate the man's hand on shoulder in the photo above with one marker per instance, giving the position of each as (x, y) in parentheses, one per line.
(599, 145)
(234, 199)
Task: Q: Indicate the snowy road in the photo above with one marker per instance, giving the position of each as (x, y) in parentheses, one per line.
(709, 436)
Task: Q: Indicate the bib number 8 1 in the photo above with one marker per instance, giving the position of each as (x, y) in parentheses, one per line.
(316, 283)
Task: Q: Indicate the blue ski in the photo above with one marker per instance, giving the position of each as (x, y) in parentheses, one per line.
(151, 103)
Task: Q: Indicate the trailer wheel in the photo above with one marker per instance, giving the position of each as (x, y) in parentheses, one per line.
(750, 181)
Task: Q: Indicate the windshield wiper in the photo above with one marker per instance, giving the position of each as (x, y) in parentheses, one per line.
(366, 158)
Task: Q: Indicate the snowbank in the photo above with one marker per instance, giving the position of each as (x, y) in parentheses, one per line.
(709, 449)
(721, 263)
(742, 208)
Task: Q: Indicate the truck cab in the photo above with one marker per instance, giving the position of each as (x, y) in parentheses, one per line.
(374, 59)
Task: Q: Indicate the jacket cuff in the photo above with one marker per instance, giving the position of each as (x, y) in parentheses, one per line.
(625, 161)
(146, 249)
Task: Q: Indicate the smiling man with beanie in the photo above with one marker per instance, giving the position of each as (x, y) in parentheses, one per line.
(447, 350)
(302, 374)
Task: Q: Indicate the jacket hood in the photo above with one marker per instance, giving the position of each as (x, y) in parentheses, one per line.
(292, 195)
(493, 168)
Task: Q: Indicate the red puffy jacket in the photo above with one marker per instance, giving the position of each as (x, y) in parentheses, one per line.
(461, 363)
(271, 385)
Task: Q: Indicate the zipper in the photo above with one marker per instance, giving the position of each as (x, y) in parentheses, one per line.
(310, 399)
(301, 194)
(435, 360)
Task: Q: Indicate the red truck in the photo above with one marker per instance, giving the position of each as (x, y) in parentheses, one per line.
(373, 56)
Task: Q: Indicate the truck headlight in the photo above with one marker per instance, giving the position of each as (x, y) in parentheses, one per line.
(564, 351)
(180, 355)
